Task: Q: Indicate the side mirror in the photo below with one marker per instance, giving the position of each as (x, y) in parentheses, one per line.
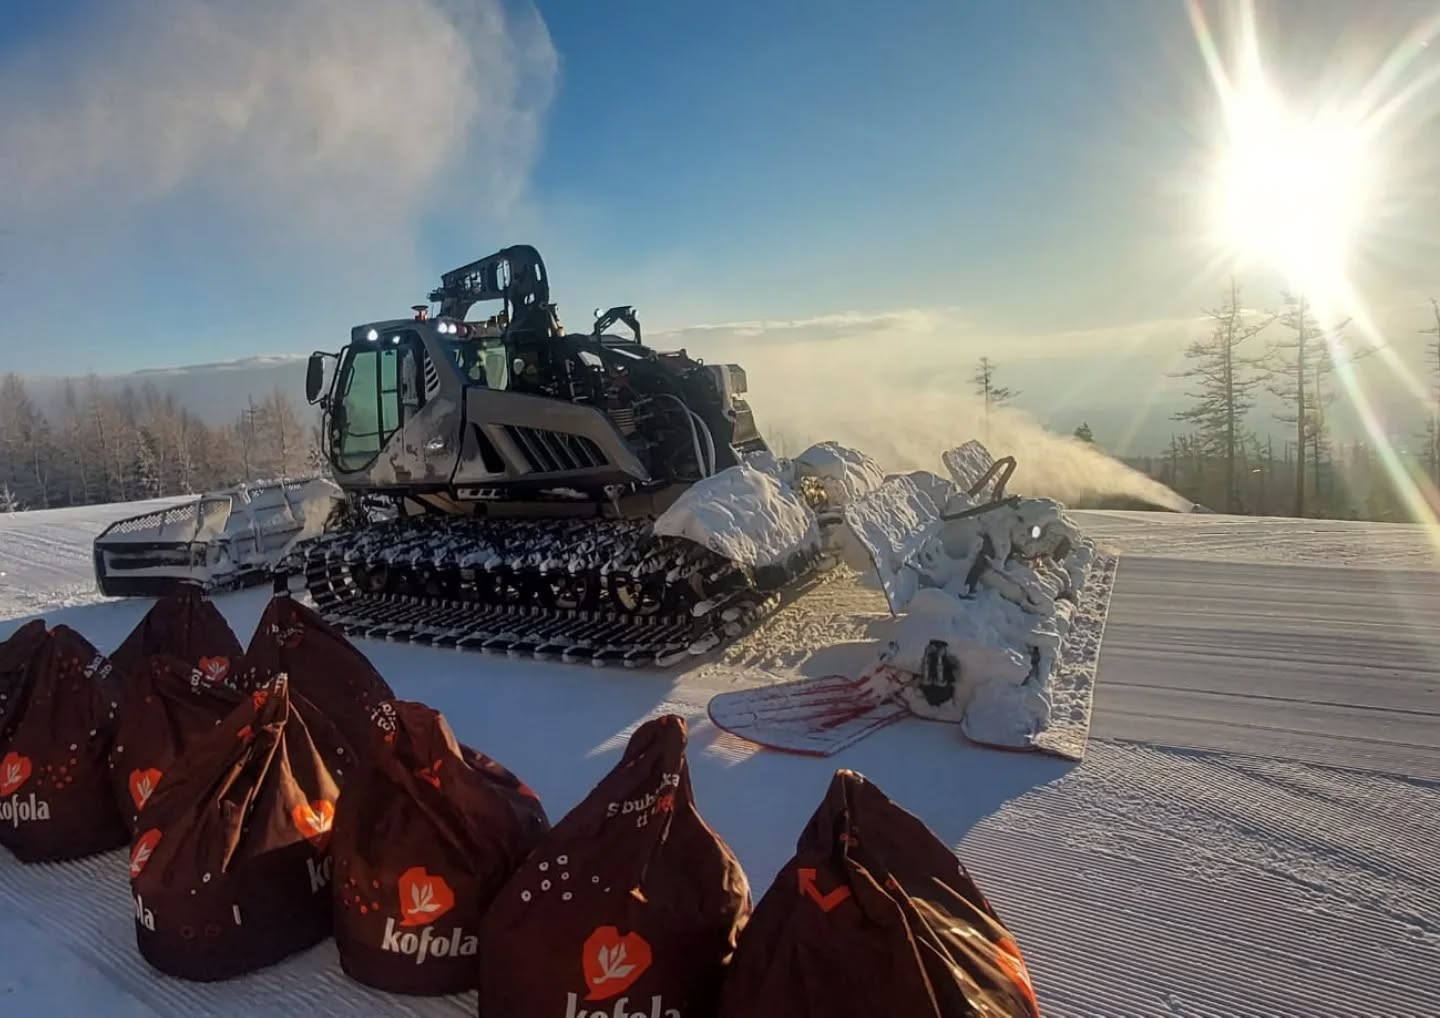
(315, 377)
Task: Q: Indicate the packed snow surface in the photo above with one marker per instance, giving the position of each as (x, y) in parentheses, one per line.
(1251, 833)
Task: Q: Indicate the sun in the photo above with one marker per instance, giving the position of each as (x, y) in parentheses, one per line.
(1292, 191)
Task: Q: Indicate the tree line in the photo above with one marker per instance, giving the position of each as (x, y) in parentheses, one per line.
(1221, 461)
(101, 446)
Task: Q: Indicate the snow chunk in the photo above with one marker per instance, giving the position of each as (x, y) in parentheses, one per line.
(967, 463)
(844, 473)
(744, 514)
(1003, 714)
(892, 524)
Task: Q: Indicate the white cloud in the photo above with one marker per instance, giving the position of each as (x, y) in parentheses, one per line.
(308, 115)
(818, 328)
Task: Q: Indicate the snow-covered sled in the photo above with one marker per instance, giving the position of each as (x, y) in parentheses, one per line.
(219, 541)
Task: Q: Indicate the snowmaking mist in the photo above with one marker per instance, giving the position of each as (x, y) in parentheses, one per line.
(868, 393)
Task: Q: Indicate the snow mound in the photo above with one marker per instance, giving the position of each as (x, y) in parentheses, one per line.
(745, 514)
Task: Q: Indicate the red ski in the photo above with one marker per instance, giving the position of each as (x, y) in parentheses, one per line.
(818, 717)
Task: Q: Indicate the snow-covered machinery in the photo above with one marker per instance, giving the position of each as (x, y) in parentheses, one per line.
(998, 605)
(534, 485)
(217, 541)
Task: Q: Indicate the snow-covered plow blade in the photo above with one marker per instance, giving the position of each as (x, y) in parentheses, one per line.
(999, 605)
(219, 541)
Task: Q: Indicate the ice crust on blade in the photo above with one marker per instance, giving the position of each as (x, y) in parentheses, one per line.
(744, 514)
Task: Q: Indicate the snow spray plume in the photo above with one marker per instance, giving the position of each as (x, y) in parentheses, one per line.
(866, 392)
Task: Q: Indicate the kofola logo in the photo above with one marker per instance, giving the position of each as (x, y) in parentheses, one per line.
(424, 898)
(320, 870)
(611, 963)
(313, 820)
(143, 915)
(14, 772)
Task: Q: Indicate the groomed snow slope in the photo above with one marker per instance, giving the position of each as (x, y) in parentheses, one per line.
(1251, 833)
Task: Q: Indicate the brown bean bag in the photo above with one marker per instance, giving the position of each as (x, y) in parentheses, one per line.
(323, 666)
(874, 916)
(55, 729)
(630, 905)
(15, 654)
(165, 706)
(231, 868)
(183, 624)
(425, 836)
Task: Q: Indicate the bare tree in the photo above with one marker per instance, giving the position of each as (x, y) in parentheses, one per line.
(1298, 365)
(247, 432)
(1432, 427)
(985, 387)
(1226, 381)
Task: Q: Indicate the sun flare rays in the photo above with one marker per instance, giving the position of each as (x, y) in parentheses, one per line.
(1296, 186)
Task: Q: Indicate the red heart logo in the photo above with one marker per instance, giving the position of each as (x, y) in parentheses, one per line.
(314, 820)
(612, 962)
(142, 851)
(14, 772)
(215, 668)
(142, 785)
(424, 897)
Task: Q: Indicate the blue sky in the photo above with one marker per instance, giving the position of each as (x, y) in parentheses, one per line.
(190, 181)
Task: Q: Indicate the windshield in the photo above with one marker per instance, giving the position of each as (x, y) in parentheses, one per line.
(481, 361)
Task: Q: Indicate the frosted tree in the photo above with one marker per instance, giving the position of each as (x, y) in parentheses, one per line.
(75, 457)
(315, 461)
(282, 437)
(145, 470)
(25, 444)
(1084, 433)
(8, 502)
(1224, 383)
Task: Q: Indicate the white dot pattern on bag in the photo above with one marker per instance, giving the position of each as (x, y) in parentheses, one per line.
(544, 885)
(543, 866)
(205, 878)
(524, 895)
(594, 880)
(565, 876)
(566, 896)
